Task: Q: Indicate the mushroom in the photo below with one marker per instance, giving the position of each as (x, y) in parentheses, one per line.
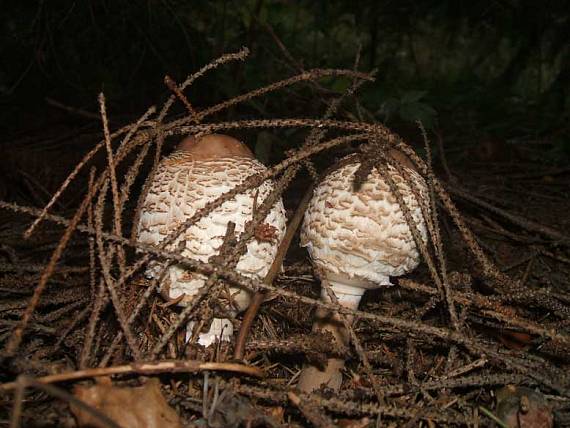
(357, 240)
(199, 171)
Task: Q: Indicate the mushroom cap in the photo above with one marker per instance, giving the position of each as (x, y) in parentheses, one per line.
(362, 237)
(213, 146)
(184, 183)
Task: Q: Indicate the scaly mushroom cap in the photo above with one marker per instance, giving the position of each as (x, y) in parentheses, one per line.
(362, 237)
(198, 172)
(213, 146)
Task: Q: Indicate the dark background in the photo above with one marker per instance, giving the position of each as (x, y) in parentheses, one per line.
(472, 71)
(505, 62)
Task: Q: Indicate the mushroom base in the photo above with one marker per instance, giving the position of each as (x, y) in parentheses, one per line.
(348, 294)
(221, 329)
(313, 378)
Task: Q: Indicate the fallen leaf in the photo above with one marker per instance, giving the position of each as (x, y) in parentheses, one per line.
(129, 407)
(520, 407)
(354, 423)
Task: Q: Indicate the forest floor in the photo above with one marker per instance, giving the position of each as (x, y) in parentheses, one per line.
(410, 367)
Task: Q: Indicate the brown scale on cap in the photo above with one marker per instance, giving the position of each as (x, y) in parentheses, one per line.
(213, 146)
(402, 158)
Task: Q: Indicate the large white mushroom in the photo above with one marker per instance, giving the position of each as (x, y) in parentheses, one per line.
(357, 240)
(199, 171)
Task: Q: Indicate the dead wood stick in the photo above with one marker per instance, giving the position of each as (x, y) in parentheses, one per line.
(73, 110)
(419, 329)
(173, 86)
(17, 335)
(146, 368)
(259, 296)
(513, 218)
(26, 382)
(312, 413)
(539, 174)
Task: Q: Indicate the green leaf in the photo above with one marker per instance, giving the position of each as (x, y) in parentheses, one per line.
(340, 85)
(412, 96)
(418, 111)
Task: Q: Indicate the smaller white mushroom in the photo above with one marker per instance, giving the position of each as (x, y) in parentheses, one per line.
(198, 172)
(358, 239)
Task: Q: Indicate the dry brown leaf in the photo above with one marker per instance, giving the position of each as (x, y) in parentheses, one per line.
(130, 407)
(354, 423)
(521, 407)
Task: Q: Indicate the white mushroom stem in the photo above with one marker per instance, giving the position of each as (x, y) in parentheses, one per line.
(348, 293)
(221, 329)
(359, 238)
